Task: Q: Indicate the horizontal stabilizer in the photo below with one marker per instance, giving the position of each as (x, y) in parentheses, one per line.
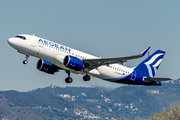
(156, 79)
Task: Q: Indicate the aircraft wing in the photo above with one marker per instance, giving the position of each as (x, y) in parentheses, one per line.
(156, 79)
(94, 63)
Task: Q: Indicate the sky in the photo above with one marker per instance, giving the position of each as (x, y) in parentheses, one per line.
(105, 28)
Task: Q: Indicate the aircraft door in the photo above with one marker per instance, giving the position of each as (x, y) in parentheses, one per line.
(133, 76)
(33, 42)
(34, 45)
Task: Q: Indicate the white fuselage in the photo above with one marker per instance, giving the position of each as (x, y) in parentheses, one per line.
(55, 53)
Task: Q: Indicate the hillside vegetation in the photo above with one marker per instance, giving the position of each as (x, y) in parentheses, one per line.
(172, 114)
(71, 103)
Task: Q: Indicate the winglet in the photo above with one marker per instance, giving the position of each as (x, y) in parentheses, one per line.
(145, 51)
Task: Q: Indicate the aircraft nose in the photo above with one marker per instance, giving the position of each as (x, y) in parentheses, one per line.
(11, 41)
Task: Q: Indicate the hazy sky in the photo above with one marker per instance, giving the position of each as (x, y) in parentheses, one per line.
(106, 28)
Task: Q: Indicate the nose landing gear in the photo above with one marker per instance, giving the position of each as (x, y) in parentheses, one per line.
(26, 61)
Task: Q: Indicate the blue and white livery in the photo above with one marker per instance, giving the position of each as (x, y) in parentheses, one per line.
(54, 57)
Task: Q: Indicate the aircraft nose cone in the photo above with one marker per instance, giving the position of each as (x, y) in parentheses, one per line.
(11, 41)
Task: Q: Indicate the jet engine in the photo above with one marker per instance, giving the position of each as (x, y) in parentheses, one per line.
(73, 63)
(46, 66)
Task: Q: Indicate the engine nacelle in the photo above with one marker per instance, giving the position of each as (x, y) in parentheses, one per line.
(73, 62)
(46, 66)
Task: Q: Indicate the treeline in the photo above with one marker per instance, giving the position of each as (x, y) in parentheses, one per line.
(29, 99)
(173, 113)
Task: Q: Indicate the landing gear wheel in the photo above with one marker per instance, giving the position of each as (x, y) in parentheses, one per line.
(68, 80)
(25, 62)
(86, 78)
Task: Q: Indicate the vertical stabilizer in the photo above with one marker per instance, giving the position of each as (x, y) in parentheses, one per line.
(151, 64)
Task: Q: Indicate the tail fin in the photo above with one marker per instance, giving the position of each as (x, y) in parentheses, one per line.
(151, 64)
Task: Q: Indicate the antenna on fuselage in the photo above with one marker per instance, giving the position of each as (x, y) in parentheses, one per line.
(33, 34)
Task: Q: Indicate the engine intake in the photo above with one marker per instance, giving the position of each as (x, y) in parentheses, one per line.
(73, 62)
(46, 66)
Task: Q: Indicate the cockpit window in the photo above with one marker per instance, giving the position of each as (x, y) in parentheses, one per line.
(22, 37)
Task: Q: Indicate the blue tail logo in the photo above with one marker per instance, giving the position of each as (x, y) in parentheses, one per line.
(151, 64)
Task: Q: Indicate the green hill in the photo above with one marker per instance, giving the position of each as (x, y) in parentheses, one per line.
(126, 102)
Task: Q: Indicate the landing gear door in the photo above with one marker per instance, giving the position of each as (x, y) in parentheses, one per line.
(33, 42)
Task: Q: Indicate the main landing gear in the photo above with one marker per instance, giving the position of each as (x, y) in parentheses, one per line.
(26, 61)
(86, 78)
(68, 79)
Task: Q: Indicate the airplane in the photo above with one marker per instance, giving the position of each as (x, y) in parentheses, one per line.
(54, 57)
